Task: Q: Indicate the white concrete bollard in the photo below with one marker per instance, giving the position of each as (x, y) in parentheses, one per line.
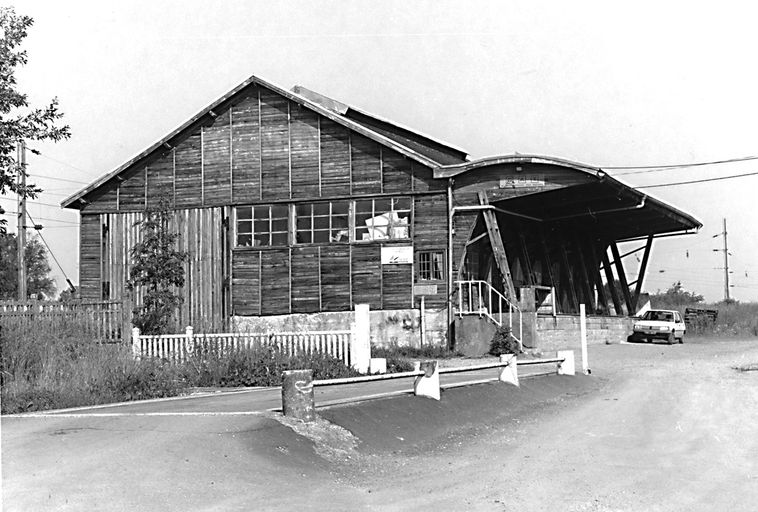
(360, 341)
(377, 365)
(428, 385)
(509, 373)
(567, 367)
(136, 343)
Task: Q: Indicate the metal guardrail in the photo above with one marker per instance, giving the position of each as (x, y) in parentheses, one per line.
(298, 385)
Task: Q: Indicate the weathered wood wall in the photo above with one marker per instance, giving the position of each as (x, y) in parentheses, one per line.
(261, 148)
(105, 271)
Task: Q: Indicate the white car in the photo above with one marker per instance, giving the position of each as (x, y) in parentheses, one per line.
(659, 324)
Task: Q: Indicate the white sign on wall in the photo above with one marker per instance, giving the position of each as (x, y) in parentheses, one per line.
(397, 255)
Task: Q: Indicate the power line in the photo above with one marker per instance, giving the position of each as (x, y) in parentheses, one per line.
(655, 168)
(33, 202)
(698, 181)
(78, 182)
(38, 153)
(70, 284)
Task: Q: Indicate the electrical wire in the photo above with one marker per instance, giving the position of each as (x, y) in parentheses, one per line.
(78, 182)
(698, 181)
(655, 168)
(51, 253)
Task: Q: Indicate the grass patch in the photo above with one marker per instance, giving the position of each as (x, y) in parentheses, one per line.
(57, 365)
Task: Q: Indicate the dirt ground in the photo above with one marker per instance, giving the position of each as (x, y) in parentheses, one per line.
(653, 428)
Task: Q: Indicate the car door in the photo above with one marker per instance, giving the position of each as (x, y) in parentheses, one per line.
(679, 326)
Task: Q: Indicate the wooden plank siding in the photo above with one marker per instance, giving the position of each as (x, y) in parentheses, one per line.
(217, 146)
(275, 151)
(246, 150)
(261, 148)
(90, 258)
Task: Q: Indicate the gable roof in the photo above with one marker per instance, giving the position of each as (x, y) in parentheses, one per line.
(423, 149)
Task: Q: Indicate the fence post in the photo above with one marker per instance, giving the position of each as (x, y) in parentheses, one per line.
(583, 333)
(297, 395)
(360, 339)
(567, 367)
(509, 373)
(428, 385)
(189, 340)
(136, 343)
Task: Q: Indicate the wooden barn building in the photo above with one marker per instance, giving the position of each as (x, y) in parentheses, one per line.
(290, 203)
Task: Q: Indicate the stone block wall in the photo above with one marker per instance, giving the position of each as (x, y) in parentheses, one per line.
(563, 331)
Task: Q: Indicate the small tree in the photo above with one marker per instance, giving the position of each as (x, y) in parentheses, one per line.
(158, 269)
(38, 280)
(17, 120)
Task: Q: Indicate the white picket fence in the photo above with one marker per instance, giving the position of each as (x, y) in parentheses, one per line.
(178, 347)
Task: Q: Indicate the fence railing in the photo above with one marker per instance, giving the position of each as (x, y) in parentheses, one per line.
(105, 321)
(178, 347)
(480, 298)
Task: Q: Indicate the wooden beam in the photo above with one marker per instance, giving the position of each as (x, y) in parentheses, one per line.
(622, 278)
(594, 270)
(643, 268)
(570, 276)
(585, 275)
(498, 249)
(525, 257)
(546, 260)
(611, 282)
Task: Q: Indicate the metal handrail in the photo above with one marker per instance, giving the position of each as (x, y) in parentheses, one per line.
(483, 309)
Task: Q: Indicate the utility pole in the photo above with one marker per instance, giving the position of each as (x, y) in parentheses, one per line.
(725, 250)
(21, 236)
(726, 266)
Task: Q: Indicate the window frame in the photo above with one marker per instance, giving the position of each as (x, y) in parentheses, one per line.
(270, 218)
(331, 228)
(421, 267)
(390, 226)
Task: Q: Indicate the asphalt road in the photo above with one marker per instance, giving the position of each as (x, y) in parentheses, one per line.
(655, 428)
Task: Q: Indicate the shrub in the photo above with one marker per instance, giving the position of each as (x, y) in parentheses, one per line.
(399, 358)
(259, 366)
(503, 342)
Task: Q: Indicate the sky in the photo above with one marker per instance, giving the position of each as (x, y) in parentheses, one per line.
(609, 84)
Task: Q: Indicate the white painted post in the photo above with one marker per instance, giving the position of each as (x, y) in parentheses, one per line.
(136, 343)
(360, 340)
(423, 321)
(428, 385)
(567, 367)
(189, 340)
(583, 333)
(509, 373)
(377, 365)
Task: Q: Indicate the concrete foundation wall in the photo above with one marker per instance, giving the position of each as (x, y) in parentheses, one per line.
(400, 326)
(563, 331)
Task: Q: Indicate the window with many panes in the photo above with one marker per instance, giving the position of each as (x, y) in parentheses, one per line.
(431, 266)
(382, 219)
(322, 222)
(261, 226)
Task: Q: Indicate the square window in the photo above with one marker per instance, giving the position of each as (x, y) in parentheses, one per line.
(431, 266)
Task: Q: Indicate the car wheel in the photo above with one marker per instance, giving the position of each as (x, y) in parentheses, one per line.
(671, 338)
(681, 340)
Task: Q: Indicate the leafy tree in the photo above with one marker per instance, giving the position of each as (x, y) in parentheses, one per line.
(676, 297)
(158, 269)
(17, 120)
(38, 281)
